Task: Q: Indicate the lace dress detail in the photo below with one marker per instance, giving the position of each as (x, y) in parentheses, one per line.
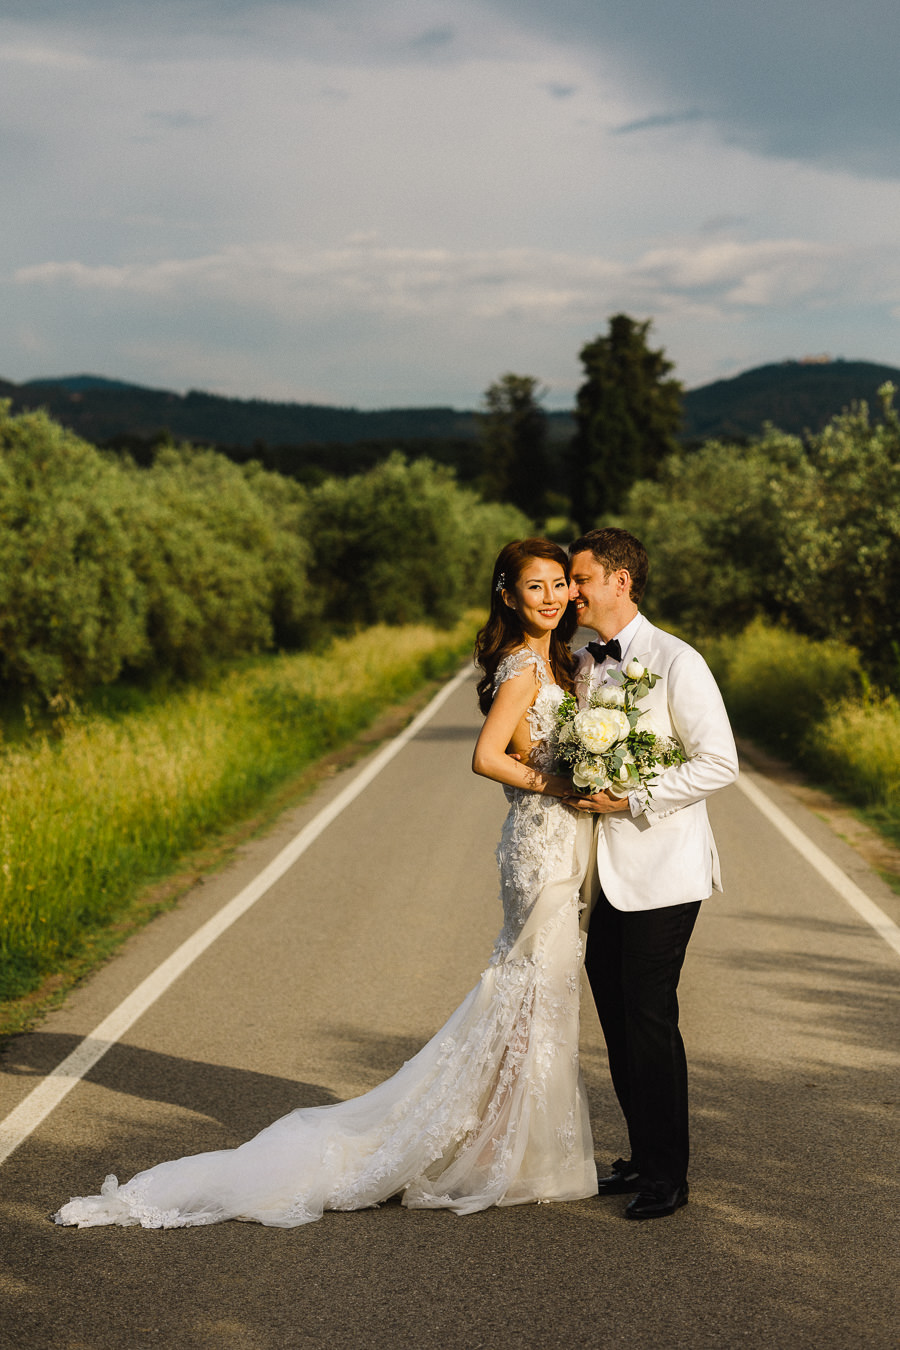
(538, 834)
(491, 1111)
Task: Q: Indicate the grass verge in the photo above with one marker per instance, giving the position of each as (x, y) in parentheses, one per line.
(114, 804)
(810, 702)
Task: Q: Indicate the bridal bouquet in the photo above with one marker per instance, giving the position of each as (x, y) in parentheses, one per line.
(611, 745)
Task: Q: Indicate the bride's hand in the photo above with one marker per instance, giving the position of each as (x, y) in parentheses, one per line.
(600, 803)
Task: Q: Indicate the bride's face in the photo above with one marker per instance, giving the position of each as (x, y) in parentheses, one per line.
(539, 596)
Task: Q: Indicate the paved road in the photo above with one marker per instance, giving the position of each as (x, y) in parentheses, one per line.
(339, 973)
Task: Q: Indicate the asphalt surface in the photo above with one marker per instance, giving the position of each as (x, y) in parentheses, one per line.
(341, 972)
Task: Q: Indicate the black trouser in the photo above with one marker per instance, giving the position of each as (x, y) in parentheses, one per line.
(633, 963)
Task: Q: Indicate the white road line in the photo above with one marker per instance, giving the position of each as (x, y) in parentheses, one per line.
(846, 889)
(20, 1122)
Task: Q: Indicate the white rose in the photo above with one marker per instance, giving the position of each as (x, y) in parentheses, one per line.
(611, 696)
(598, 729)
(634, 670)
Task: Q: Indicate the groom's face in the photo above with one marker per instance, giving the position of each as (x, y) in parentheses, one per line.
(597, 594)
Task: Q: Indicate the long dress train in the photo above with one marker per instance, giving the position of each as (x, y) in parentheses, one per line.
(491, 1111)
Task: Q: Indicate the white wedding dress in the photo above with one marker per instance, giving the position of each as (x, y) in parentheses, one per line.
(491, 1111)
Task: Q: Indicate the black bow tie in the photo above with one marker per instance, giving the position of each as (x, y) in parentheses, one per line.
(601, 650)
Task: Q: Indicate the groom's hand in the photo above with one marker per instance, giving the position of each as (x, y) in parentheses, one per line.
(600, 804)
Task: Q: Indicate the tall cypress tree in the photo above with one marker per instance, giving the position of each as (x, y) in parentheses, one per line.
(513, 434)
(627, 416)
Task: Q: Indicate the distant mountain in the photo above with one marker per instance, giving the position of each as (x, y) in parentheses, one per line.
(100, 409)
(797, 396)
(76, 384)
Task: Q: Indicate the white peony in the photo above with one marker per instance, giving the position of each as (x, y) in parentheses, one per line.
(589, 777)
(634, 670)
(611, 696)
(598, 729)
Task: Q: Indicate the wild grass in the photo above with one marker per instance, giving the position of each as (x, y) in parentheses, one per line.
(111, 801)
(810, 701)
(856, 748)
(778, 684)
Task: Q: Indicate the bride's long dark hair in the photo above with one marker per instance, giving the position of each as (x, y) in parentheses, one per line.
(503, 633)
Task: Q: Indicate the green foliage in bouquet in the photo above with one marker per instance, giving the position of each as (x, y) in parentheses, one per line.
(611, 745)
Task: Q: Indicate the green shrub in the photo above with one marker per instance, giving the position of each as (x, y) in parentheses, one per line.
(856, 747)
(712, 525)
(807, 533)
(288, 552)
(842, 537)
(779, 685)
(403, 543)
(220, 553)
(72, 612)
(107, 568)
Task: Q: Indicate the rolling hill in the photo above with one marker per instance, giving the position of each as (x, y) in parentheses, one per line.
(796, 395)
(100, 409)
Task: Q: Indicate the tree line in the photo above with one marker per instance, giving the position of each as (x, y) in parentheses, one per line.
(111, 563)
(802, 531)
(108, 568)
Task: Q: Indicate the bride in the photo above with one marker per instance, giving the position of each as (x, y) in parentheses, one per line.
(492, 1110)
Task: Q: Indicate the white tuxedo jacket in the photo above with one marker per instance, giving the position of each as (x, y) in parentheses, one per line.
(667, 855)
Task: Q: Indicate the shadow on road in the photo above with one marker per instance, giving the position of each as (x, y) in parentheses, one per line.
(239, 1099)
(838, 999)
(458, 733)
(788, 1239)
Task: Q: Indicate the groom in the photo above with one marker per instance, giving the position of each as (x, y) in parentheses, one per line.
(656, 861)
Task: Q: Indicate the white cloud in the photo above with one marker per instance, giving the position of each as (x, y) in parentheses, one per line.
(530, 284)
(785, 268)
(383, 202)
(47, 58)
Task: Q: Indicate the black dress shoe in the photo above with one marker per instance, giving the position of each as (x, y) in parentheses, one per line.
(622, 1181)
(654, 1200)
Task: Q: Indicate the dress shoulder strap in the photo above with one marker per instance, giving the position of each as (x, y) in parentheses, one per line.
(523, 658)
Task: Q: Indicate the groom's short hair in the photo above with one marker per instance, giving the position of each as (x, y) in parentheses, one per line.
(615, 549)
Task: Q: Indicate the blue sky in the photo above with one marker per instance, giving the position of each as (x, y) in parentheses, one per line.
(381, 203)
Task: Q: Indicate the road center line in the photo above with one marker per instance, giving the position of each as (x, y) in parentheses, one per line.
(20, 1122)
(837, 879)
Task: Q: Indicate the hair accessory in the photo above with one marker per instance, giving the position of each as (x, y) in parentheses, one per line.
(501, 583)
